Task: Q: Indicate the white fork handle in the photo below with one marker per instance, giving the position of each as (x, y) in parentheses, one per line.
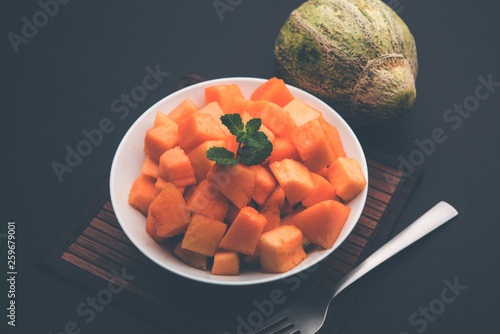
(432, 219)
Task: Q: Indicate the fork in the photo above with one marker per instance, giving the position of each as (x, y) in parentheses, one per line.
(307, 315)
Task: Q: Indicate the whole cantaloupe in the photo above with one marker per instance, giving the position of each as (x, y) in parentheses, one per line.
(356, 55)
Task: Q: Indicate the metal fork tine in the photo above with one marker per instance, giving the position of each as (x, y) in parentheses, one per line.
(287, 327)
(270, 324)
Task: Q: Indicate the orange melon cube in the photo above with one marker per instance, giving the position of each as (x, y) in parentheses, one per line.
(244, 233)
(313, 145)
(203, 235)
(226, 263)
(232, 213)
(288, 218)
(264, 184)
(189, 191)
(274, 118)
(224, 95)
(323, 172)
(208, 201)
(300, 112)
(198, 129)
(213, 109)
(347, 178)
(175, 167)
(237, 183)
(277, 197)
(199, 160)
(281, 249)
(150, 168)
(321, 223)
(162, 119)
(168, 214)
(273, 217)
(287, 209)
(283, 149)
(323, 191)
(192, 259)
(184, 110)
(160, 139)
(295, 179)
(161, 184)
(273, 90)
(142, 193)
(231, 144)
(241, 104)
(253, 259)
(333, 138)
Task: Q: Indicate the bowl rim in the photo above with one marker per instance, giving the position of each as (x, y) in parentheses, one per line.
(267, 276)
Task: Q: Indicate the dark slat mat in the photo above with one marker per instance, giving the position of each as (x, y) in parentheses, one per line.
(95, 251)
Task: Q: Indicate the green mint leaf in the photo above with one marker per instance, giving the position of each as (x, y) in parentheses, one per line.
(222, 156)
(256, 152)
(253, 126)
(233, 122)
(241, 136)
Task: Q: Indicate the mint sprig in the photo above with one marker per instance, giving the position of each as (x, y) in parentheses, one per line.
(254, 146)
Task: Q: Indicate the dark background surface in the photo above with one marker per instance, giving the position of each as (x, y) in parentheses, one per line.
(64, 80)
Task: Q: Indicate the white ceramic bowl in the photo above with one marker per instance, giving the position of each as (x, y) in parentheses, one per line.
(130, 155)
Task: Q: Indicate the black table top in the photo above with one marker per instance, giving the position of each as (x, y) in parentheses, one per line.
(67, 74)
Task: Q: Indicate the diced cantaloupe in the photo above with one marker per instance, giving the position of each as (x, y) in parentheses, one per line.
(295, 179)
(160, 139)
(192, 259)
(142, 193)
(333, 138)
(162, 119)
(273, 90)
(244, 233)
(281, 249)
(287, 208)
(208, 201)
(241, 104)
(199, 160)
(189, 191)
(226, 263)
(245, 117)
(275, 118)
(283, 149)
(237, 183)
(150, 168)
(184, 110)
(277, 197)
(323, 191)
(273, 216)
(175, 167)
(264, 184)
(232, 213)
(288, 218)
(253, 259)
(313, 145)
(197, 129)
(203, 235)
(323, 172)
(224, 95)
(168, 214)
(213, 109)
(321, 223)
(161, 184)
(301, 112)
(347, 178)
